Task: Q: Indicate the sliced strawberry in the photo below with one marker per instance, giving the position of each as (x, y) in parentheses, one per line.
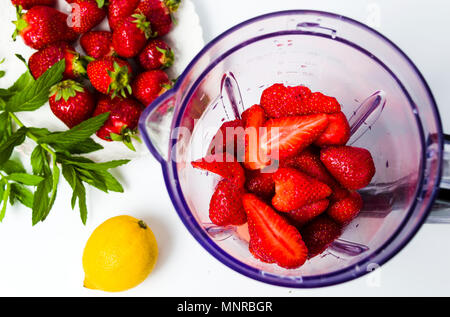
(255, 245)
(337, 132)
(222, 164)
(286, 137)
(352, 167)
(293, 189)
(225, 207)
(229, 138)
(254, 118)
(260, 184)
(279, 241)
(319, 234)
(345, 210)
(307, 213)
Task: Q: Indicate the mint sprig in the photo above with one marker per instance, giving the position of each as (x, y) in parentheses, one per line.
(55, 153)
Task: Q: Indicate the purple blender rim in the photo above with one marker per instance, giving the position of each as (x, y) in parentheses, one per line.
(200, 235)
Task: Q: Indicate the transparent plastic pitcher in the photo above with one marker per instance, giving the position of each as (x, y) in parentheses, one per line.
(390, 107)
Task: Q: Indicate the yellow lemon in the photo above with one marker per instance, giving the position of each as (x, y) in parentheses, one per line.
(119, 255)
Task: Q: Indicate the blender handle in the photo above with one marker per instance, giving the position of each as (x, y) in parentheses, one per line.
(441, 209)
(155, 124)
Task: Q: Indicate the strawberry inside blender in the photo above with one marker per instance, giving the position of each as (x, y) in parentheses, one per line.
(290, 182)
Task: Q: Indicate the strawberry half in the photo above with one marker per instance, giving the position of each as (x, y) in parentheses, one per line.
(278, 240)
(307, 213)
(337, 132)
(293, 189)
(345, 210)
(254, 118)
(229, 138)
(286, 137)
(255, 245)
(225, 207)
(319, 234)
(352, 167)
(222, 164)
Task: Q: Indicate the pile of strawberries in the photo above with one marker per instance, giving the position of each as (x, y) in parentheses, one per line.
(288, 174)
(125, 65)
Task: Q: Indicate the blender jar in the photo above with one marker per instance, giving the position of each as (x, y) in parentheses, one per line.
(389, 105)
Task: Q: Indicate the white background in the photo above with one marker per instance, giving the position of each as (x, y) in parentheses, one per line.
(46, 260)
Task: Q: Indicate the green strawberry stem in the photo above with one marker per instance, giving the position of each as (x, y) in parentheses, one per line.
(172, 4)
(168, 57)
(20, 24)
(66, 89)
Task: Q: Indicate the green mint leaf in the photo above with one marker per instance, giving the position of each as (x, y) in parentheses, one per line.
(38, 159)
(13, 166)
(81, 193)
(111, 182)
(21, 83)
(25, 179)
(87, 146)
(96, 166)
(5, 201)
(40, 202)
(35, 95)
(78, 133)
(11, 142)
(55, 182)
(92, 178)
(22, 194)
(39, 132)
(5, 126)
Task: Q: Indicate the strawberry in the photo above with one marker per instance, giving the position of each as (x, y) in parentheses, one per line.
(28, 4)
(45, 58)
(293, 189)
(319, 103)
(229, 138)
(254, 118)
(278, 101)
(130, 35)
(309, 163)
(41, 26)
(286, 137)
(86, 14)
(301, 92)
(307, 213)
(352, 167)
(97, 44)
(110, 76)
(278, 240)
(260, 184)
(159, 13)
(156, 55)
(222, 164)
(123, 119)
(71, 102)
(255, 245)
(337, 132)
(320, 234)
(150, 85)
(345, 210)
(119, 10)
(225, 207)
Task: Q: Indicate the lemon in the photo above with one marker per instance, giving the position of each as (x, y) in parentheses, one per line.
(119, 255)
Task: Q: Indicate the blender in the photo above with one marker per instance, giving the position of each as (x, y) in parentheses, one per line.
(390, 108)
